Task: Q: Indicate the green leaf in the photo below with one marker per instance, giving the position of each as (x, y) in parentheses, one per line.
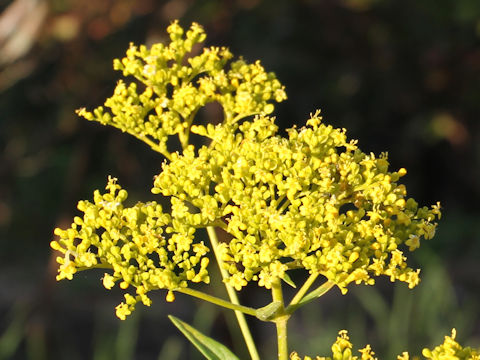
(210, 348)
(288, 280)
(268, 312)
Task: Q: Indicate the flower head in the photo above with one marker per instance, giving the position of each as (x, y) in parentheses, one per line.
(450, 349)
(140, 245)
(312, 200)
(172, 82)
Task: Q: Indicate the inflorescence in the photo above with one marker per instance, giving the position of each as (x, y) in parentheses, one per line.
(312, 200)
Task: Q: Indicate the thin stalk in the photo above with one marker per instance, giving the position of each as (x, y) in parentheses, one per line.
(280, 321)
(184, 136)
(242, 322)
(321, 290)
(284, 205)
(217, 301)
(153, 145)
(303, 290)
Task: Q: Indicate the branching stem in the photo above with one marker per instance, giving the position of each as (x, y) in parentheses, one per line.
(242, 322)
(217, 301)
(303, 290)
(321, 290)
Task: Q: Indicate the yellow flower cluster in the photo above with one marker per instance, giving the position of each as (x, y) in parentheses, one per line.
(341, 350)
(141, 244)
(449, 350)
(145, 247)
(172, 85)
(312, 201)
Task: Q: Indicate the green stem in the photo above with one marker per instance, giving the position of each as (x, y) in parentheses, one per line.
(321, 290)
(280, 321)
(217, 301)
(284, 205)
(242, 322)
(153, 145)
(303, 290)
(184, 136)
(218, 223)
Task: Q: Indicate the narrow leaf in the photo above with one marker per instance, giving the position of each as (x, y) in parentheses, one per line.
(210, 348)
(288, 280)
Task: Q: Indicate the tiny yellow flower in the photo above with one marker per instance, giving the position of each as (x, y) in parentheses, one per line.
(413, 242)
(108, 281)
(170, 296)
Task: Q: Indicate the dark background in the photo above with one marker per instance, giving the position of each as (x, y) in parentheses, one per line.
(401, 76)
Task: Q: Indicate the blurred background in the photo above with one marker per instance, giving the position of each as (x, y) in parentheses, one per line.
(401, 76)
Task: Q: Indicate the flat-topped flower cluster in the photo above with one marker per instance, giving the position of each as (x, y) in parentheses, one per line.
(312, 200)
